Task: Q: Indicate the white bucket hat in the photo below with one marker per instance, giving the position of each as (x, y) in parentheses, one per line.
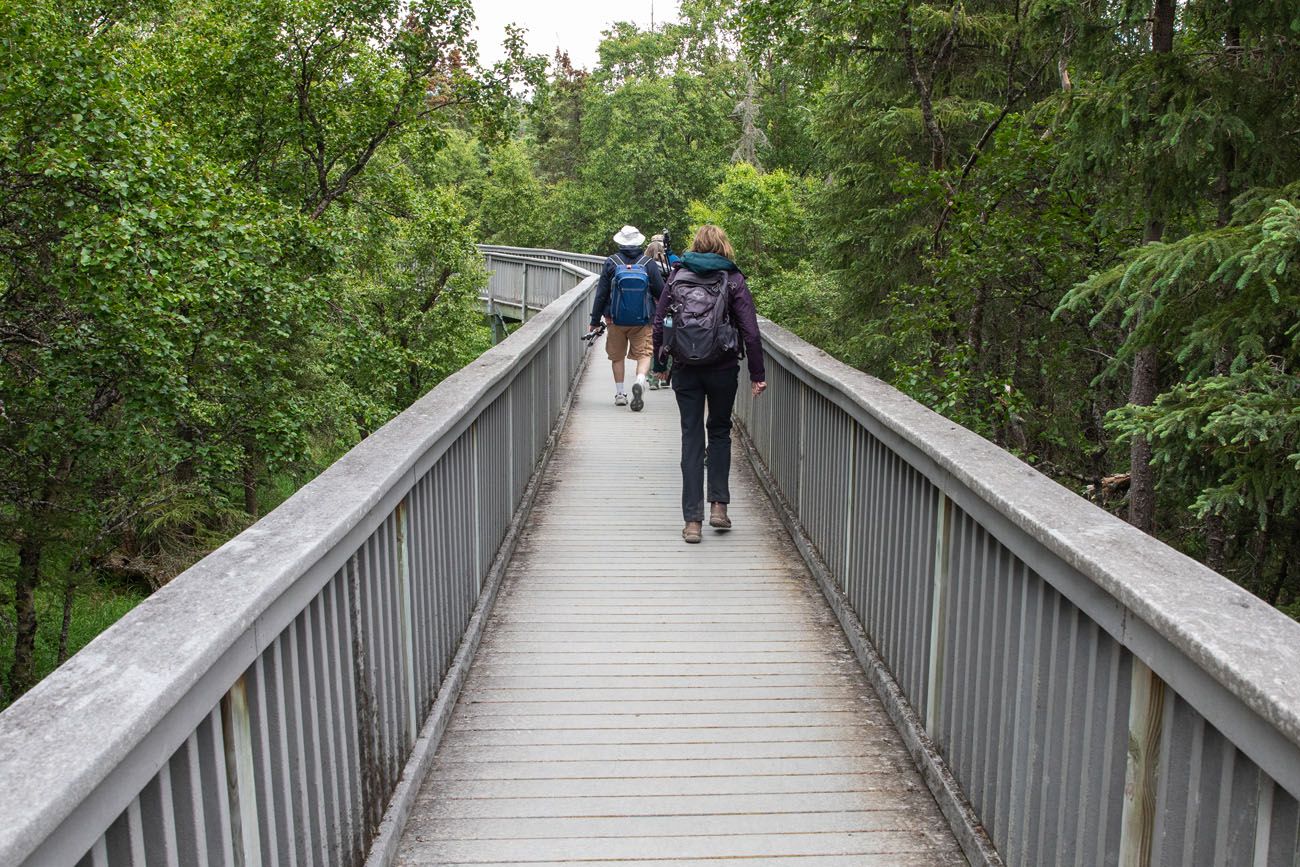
(629, 236)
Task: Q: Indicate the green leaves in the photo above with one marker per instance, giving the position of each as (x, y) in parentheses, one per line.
(227, 250)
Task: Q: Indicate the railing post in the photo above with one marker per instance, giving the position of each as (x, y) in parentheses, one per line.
(523, 312)
(1146, 711)
(1263, 821)
(475, 483)
(846, 564)
(938, 614)
(236, 726)
(408, 632)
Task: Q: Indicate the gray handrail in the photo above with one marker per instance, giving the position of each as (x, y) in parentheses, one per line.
(261, 707)
(1097, 696)
(586, 261)
(519, 284)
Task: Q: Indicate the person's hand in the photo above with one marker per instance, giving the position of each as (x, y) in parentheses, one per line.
(758, 388)
(590, 328)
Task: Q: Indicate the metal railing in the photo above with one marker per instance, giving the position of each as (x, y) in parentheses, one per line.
(262, 707)
(523, 281)
(1093, 696)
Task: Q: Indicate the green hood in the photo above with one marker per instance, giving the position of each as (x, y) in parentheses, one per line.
(703, 263)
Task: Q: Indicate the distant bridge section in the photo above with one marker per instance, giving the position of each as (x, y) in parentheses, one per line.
(522, 281)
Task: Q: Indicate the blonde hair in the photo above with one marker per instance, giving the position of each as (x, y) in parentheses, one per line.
(655, 250)
(711, 239)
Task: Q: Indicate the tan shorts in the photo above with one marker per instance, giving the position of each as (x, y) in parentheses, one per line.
(629, 341)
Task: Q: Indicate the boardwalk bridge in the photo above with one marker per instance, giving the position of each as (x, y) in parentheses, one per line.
(477, 639)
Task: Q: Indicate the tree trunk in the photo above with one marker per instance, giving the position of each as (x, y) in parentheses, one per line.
(1142, 484)
(1162, 26)
(69, 597)
(938, 145)
(1216, 531)
(250, 486)
(1216, 542)
(22, 672)
(1146, 362)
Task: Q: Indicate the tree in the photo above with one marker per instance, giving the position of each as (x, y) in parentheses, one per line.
(764, 216)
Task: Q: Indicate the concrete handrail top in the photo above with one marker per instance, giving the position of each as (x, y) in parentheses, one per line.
(63, 738)
(1242, 642)
(533, 260)
(533, 253)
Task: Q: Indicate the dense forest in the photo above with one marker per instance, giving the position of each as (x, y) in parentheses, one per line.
(237, 235)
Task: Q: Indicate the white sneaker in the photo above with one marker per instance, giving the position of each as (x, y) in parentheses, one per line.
(620, 400)
(637, 402)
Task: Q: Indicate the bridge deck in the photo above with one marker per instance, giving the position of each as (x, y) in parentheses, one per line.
(638, 699)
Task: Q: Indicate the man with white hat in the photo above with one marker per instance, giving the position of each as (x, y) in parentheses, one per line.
(629, 287)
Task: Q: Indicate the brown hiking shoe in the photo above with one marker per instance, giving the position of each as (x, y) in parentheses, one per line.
(718, 516)
(692, 531)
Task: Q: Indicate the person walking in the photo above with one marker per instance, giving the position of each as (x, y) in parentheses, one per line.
(657, 251)
(705, 320)
(629, 288)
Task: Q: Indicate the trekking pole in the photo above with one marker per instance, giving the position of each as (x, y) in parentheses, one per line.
(590, 337)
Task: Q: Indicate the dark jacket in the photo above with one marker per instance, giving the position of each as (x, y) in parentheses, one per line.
(740, 307)
(600, 308)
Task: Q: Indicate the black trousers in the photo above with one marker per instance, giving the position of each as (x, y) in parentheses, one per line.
(697, 390)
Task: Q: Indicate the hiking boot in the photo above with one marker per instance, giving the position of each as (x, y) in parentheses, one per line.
(692, 532)
(620, 399)
(718, 516)
(637, 401)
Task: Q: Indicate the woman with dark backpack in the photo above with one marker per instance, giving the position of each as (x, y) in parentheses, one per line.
(705, 320)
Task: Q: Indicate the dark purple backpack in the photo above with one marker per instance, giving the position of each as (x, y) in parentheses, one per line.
(697, 321)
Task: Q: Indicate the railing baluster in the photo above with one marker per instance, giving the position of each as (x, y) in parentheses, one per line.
(1145, 726)
(403, 556)
(236, 729)
(938, 617)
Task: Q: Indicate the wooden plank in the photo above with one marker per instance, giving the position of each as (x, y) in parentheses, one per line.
(884, 843)
(888, 792)
(490, 695)
(895, 859)
(727, 824)
(475, 709)
(888, 771)
(640, 700)
(580, 737)
(508, 680)
(842, 748)
(646, 768)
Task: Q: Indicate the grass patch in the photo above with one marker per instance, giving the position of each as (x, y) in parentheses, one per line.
(97, 606)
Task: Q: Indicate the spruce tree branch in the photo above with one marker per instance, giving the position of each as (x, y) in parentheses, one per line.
(984, 139)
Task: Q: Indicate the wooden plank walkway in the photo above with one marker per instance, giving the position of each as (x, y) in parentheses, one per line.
(636, 699)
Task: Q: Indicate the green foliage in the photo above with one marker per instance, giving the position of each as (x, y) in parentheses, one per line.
(639, 138)
(989, 182)
(230, 245)
(513, 209)
(763, 214)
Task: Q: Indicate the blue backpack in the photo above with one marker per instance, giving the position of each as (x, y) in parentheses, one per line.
(630, 302)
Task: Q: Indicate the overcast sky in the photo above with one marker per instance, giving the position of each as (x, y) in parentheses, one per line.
(573, 25)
